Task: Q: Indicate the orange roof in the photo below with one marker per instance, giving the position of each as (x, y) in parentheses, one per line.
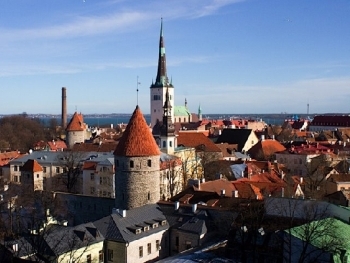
(267, 147)
(216, 186)
(89, 166)
(6, 157)
(195, 140)
(76, 123)
(32, 166)
(57, 145)
(137, 138)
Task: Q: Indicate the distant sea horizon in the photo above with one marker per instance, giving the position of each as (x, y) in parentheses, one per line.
(113, 119)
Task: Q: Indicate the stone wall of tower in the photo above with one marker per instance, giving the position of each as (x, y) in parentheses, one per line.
(136, 181)
(73, 137)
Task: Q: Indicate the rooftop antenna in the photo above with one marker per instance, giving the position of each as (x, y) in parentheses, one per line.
(137, 90)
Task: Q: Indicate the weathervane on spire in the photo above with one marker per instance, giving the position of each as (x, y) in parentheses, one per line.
(137, 90)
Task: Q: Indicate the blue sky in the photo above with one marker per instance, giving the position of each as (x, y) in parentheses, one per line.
(229, 56)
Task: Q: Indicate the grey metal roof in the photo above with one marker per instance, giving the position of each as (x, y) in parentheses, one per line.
(49, 157)
(122, 229)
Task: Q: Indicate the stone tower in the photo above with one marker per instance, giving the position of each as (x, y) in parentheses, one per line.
(136, 159)
(76, 131)
(167, 130)
(159, 87)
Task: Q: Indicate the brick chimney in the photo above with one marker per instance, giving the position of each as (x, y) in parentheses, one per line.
(64, 108)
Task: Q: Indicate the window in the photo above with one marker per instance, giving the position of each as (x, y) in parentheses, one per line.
(37, 175)
(164, 144)
(149, 163)
(15, 178)
(100, 179)
(171, 144)
(92, 190)
(140, 252)
(149, 248)
(64, 169)
(158, 244)
(92, 176)
(100, 256)
(44, 169)
(15, 168)
(88, 258)
(110, 255)
(149, 196)
(57, 169)
(131, 164)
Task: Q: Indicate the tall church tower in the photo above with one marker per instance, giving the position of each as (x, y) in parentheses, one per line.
(136, 160)
(159, 87)
(167, 130)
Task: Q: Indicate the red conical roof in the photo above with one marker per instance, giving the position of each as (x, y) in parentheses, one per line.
(76, 123)
(137, 139)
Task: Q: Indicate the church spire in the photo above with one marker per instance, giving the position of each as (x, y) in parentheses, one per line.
(162, 77)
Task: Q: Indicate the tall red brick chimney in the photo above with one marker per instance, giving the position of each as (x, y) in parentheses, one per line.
(64, 108)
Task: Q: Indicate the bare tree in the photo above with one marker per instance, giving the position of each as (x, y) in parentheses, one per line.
(308, 233)
(71, 162)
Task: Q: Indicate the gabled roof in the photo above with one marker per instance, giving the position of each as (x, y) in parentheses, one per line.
(31, 166)
(234, 136)
(137, 139)
(331, 120)
(6, 157)
(197, 140)
(76, 123)
(117, 228)
(181, 111)
(265, 148)
(57, 145)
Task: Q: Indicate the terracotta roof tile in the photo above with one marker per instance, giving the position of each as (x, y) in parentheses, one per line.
(137, 139)
(76, 123)
(57, 145)
(266, 147)
(195, 140)
(6, 157)
(32, 166)
(217, 186)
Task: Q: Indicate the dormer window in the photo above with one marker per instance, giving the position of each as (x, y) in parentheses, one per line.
(146, 228)
(163, 223)
(155, 225)
(138, 231)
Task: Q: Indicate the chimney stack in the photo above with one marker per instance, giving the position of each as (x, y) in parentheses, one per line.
(64, 108)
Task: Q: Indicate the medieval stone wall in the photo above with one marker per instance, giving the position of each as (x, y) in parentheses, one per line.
(136, 181)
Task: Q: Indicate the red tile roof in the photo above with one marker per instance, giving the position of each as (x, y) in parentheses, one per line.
(137, 138)
(32, 166)
(196, 140)
(6, 157)
(266, 147)
(89, 166)
(217, 186)
(331, 120)
(76, 123)
(57, 145)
